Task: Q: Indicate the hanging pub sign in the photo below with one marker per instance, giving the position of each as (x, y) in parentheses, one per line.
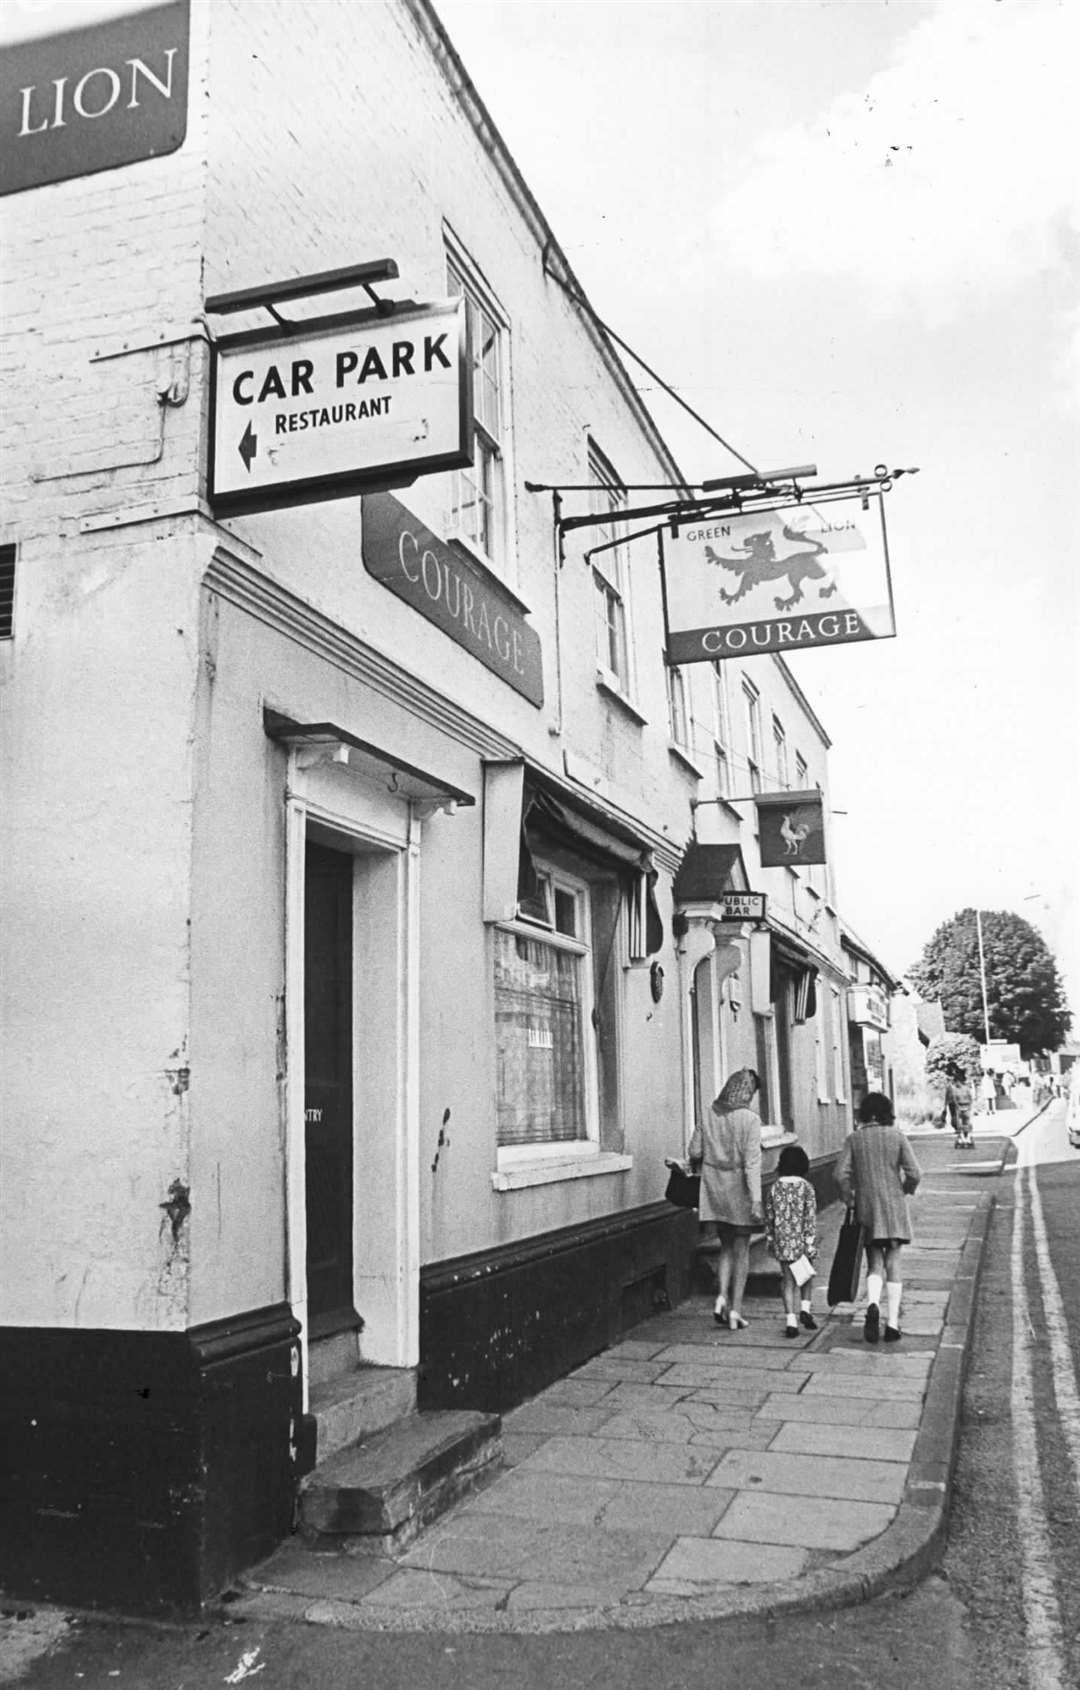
(339, 407)
(76, 101)
(791, 828)
(777, 580)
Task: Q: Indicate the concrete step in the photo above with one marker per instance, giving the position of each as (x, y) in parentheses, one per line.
(384, 1491)
(355, 1405)
(327, 1357)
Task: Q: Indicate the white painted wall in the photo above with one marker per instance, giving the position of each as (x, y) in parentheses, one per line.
(148, 796)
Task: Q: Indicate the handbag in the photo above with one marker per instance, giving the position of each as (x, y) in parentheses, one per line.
(683, 1189)
(847, 1262)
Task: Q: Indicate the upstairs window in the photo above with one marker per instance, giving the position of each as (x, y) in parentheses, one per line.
(607, 499)
(802, 774)
(752, 706)
(780, 753)
(478, 495)
(721, 731)
(678, 709)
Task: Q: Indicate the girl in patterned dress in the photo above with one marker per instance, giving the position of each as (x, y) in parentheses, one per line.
(791, 1232)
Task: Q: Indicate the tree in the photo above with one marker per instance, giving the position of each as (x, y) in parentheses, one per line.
(952, 1050)
(1025, 998)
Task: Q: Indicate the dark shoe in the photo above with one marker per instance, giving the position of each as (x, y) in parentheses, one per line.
(808, 1320)
(791, 1331)
(872, 1324)
(720, 1312)
(893, 1334)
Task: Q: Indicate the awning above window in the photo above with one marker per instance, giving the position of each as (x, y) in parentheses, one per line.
(708, 870)
(524, 810)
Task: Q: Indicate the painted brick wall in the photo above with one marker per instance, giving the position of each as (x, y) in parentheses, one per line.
(100, 284)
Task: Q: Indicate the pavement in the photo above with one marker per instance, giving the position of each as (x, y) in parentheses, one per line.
(691, 1473)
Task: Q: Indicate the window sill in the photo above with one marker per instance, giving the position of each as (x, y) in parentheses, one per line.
(608, 685)
(774, 1138)
(550, 1173)
(485, 568)
(729, 809)
(682, 755)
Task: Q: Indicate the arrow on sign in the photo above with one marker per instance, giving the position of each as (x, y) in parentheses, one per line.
(248, 446)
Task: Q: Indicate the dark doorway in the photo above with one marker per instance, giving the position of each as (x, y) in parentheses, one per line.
(784, 984)
(328, 1099)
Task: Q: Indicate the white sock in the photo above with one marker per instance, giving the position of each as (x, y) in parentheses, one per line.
(791, 1320)
(874, 1282)
(892, 1296)
(804, 1304)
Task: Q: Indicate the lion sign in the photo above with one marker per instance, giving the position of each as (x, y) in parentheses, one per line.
(740, 583)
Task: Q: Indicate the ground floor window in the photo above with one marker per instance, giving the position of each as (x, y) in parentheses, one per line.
(544, 1024)
(540, 1041)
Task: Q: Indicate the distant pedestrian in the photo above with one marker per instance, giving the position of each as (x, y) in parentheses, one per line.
(988, 1092)
(876, 1171)
(728, 1150)
(958, 1104)
(791, 1235)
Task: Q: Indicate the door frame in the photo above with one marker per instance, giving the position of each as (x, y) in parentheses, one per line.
(360, 817)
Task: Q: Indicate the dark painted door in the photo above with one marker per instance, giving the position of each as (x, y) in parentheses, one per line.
(328, 955)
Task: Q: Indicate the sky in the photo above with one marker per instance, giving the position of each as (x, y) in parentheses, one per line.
(848, 233)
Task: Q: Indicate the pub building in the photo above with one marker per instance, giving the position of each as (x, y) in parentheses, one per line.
(377, 901)
(871, 994)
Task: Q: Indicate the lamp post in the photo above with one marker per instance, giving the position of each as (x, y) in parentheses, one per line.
(982, 977)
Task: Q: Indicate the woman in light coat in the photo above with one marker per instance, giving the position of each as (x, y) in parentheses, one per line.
(728, 1150)
(876, 1170)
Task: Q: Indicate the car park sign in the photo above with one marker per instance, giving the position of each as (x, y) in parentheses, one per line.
(341, 406)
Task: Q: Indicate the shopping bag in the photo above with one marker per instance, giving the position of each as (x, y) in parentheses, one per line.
(847, 1262)
(802, 1269)
(683, 1189)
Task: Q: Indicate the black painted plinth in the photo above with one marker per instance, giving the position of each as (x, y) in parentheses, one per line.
(499, 1326)
(141, 1471)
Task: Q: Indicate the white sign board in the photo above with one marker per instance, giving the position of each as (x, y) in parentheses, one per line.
(777, 580)
(337, 408)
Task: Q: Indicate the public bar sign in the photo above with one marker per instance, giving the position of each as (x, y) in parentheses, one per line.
(778, 581)
(339, 407)
(460, 597)
(83, 100)
(742, 906)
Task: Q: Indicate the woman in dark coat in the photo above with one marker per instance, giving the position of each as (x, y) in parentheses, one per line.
(876, 1171)
(729, 1152)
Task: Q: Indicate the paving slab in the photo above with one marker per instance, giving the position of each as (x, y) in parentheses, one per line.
(715, 1376)
(493, 1547)
(694, 1563)
(564, 1499)
(855, 1442)
(623, 1458)
(846, 1411)
(577, 1393)
(733, 1354)
(810, 1523)
(811, 1475)
(555, 1418)
(857, 1385)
